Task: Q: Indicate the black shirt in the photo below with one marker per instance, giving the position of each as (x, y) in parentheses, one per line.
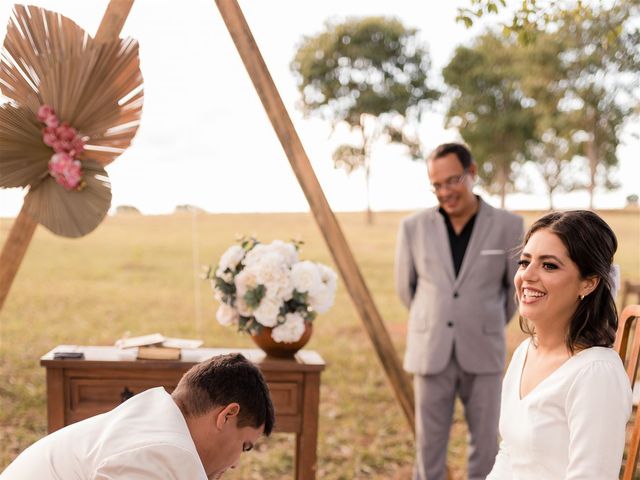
(460, 242)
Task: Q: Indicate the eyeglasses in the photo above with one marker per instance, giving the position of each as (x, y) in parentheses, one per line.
(450, 182)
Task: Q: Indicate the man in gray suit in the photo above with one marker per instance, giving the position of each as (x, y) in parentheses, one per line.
(454, 271)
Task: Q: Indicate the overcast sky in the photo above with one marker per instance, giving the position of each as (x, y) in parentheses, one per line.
(205, 139)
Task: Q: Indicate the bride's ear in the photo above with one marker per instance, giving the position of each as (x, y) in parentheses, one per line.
(589, 284)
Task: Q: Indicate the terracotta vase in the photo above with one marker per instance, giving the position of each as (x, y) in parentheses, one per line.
(281, 350)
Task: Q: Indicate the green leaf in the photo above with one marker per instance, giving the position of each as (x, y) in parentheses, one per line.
(253, 296)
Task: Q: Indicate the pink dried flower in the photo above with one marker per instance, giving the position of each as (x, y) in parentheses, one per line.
(65, 170)
(77, 146)
(66, 132)
(44, 112)
(49, 136)
(51, 121)
(67, 143)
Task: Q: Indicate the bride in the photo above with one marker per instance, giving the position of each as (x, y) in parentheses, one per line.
(566, 397)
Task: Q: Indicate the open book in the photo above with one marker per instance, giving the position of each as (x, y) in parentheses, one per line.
(157, 347)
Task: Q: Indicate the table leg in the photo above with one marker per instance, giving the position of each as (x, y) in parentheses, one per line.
(307, 439)
(55, 399)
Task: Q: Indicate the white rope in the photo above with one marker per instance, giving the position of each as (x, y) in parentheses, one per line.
(195, 253)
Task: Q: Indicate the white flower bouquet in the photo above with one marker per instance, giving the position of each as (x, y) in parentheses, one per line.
(266, 285)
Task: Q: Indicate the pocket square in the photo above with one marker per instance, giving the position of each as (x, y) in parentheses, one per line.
(492, 252)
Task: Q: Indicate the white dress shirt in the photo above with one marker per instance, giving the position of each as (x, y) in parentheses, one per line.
(145, 438)
(570, 426)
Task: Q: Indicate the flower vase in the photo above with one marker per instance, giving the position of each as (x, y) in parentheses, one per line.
(268, 345)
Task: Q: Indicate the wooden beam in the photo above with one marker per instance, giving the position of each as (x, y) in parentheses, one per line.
(24, 226)
(113, 20)
(14, 250)
(329, 226)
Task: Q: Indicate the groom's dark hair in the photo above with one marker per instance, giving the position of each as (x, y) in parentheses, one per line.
(223, 380)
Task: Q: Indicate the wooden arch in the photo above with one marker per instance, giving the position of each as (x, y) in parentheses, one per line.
(112, 22)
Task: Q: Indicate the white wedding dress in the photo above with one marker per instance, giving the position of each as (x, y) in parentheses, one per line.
(570, 426)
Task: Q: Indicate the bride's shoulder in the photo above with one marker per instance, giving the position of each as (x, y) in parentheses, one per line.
(596, 362)
(598, 354)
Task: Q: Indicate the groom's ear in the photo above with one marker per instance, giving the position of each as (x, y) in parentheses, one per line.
(227, 413)
(472, 170)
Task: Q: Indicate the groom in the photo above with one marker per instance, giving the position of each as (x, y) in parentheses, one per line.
(218, 411)
(454, 272)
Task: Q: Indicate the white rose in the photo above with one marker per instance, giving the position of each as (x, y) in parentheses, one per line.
(287, 250)
(231, 258)
(284, 288)
(328, 276)
(322, 300)
(305, 277)
(291, 330)
(274, 275)
(255, 255)
(271, 264)
(267, 312)
(227, 315)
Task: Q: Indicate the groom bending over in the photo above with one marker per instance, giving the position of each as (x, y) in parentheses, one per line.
(218, 410)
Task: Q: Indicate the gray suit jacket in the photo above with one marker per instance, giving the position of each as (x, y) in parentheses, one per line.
(470, 310)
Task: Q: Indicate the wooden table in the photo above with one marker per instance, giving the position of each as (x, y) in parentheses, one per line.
(78, 389)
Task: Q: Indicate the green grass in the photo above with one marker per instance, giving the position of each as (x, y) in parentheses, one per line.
(136, 274)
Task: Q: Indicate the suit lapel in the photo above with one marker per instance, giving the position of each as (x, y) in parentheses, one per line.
(441, 242)
(478, 235)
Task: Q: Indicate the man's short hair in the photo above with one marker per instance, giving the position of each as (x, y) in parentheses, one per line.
(460, 150)
(223, 380)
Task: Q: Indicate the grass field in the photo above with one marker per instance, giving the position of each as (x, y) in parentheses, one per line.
(136, 274)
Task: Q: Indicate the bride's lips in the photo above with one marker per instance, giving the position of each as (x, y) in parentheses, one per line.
(531, 295)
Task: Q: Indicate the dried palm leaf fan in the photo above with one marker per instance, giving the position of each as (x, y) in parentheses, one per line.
(75, 105)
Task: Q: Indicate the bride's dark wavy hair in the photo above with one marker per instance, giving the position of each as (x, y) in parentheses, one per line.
(591, 245)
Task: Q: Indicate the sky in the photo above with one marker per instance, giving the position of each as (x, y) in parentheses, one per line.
(205, 139)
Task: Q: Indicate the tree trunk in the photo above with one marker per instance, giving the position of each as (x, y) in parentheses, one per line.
(367, 139)
(367, 175)
(550, 191)
(502, 181)
(592, 157)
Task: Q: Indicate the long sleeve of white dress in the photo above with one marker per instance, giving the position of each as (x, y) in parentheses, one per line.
(598, 406)
(571, 426)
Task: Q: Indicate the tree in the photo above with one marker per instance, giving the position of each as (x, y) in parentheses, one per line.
(552, 154)
(586, 78)
(489, 109)
(531, 17)
(595, 81)
(602, 60)
(553, 148)
(127, 210)
(187, 208)
(370, 74)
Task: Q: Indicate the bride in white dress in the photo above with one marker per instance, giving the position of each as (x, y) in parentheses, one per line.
(566, 397)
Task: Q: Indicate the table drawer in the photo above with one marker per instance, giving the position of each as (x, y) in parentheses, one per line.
(91, 392)
(286, 397)
(91, 396)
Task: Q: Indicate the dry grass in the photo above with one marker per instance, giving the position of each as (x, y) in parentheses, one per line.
(135, 274)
